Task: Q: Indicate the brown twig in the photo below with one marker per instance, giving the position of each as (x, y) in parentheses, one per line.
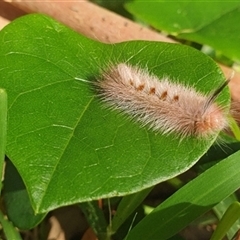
(105, 26)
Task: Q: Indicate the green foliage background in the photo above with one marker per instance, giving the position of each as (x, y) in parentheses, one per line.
(66, 147)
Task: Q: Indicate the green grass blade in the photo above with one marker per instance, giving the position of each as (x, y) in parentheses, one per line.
(191, 201)
(221, 208)
(234, 128)
(229, 218)
(126, 207)
(10, 232)
(3, 127)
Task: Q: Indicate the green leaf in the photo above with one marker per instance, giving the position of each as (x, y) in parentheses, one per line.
(209, 22)
(17, 202)
(65, 144)
(191, 201)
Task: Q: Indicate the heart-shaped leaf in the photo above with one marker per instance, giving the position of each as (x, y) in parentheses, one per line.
(65, 144)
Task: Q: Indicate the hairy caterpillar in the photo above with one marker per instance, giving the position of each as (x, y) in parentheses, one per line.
(164, 106)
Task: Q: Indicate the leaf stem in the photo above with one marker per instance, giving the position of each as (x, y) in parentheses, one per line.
(95, 218)
(3, 128)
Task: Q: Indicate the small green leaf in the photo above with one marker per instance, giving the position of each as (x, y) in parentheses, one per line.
(209, 22)
(65, 144)
(17, 202)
